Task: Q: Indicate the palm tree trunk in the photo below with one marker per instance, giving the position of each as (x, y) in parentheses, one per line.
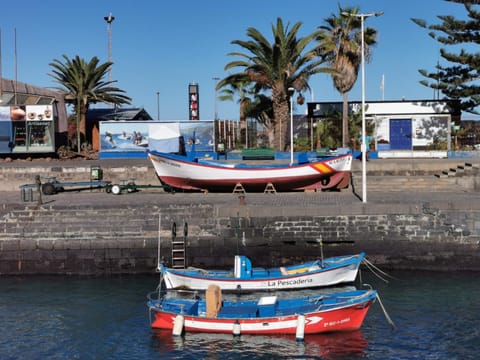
(78, 127)
(345, 116)
(280, 114)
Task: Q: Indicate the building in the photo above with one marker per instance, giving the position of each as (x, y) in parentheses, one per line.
(32, 119)
(401, 128)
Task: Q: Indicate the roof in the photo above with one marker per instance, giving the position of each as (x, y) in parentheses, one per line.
(103, 114)
(389, 107)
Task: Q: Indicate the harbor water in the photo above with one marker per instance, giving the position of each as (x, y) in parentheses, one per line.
(436, 316)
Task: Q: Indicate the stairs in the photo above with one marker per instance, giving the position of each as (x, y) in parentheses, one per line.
(461, 176)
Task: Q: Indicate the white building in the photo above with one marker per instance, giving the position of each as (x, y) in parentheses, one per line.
(402, 128)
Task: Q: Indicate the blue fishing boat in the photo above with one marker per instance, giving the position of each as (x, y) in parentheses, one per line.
(318, 273)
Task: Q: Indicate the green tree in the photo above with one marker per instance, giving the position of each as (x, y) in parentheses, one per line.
(459, 78)
(82, 84)
(261, 109)
(238, 85)
(340, 43)
(274, 67)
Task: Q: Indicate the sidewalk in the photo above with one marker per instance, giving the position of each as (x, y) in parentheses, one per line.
(344, 201)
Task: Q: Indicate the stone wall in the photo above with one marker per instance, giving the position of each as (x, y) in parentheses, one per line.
(104, 240)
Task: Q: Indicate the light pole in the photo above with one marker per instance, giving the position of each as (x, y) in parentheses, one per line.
(364, 145)
(215, 115)
(109, 19)
(291, 90)
(215, 100)
(158, 105)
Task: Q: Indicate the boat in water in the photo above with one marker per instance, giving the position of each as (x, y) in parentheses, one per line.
(299, 316)
(244, 277)
(183, 172)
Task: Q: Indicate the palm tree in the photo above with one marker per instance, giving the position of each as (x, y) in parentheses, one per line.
(340, 45)
(274, 67)
(82, 84)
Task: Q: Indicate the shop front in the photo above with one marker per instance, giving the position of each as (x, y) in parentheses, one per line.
(27, 129)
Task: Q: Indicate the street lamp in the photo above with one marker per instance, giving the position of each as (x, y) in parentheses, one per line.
(109, 19)
(364, 145)
(215, 116)
(291, 90)
(158, 105)
(215, 100)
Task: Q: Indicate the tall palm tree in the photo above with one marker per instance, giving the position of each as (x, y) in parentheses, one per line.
(82, 84)
(276, 66)
(340, 45)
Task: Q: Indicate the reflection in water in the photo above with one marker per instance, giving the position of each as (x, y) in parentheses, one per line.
(346, 345)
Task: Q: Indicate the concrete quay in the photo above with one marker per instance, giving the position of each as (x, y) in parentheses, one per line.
(93, 232)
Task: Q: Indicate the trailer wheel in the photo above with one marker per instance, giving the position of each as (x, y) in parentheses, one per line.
(116, 190)
(48, 189)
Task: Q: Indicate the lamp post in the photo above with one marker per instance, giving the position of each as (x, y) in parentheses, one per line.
(109, 19)
(364, 145)
(158, 105)
(291, 90)
(215, 115)
(215, 100)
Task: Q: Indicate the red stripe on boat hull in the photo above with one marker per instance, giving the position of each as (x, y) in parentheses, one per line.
(344, 319)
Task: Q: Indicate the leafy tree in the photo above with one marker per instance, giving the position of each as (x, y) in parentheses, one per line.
(275, 67)
(237, 85)
(459, 78)
(340, 42)
(261, 109)
(82, 84)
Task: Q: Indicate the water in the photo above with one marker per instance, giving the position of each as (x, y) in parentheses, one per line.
(437, 316)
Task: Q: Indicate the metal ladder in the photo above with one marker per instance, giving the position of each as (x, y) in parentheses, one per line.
(179, 247)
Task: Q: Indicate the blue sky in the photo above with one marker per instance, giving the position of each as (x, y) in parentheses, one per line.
(162, 46)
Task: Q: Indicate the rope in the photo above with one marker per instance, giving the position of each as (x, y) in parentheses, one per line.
(375, 270)
(385, 312)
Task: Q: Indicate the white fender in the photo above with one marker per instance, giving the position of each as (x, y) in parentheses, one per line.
(236, 328)
(178, 325)
(300, 328)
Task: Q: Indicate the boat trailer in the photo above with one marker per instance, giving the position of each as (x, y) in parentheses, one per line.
(52, 186)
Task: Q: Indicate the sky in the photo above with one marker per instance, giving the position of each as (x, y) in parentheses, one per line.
(160, 47)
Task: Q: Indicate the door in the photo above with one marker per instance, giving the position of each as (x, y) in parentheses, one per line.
(5, 137)
(400, 134)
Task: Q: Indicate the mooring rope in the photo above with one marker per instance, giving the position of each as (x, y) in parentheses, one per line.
(385, 312)
(375, 270)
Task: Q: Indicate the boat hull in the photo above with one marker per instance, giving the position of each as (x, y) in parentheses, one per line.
(342, 318)
(338, 272)
(180, 173)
